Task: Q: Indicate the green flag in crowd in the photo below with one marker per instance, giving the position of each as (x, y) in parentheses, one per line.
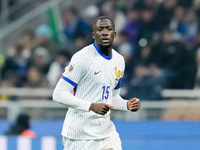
(55, 22)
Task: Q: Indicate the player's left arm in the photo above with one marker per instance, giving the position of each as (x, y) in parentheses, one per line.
(119, 103)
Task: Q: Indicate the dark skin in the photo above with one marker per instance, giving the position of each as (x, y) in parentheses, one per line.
(104, 34)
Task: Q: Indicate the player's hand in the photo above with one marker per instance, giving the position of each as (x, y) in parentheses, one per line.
(100, 108)
(133, 104)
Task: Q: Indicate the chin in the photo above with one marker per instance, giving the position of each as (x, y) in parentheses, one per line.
(105, 44)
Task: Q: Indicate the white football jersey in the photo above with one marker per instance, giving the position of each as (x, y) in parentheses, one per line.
(94, 77)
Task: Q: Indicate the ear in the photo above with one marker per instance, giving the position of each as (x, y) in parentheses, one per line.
(115, 34)
(93, 35)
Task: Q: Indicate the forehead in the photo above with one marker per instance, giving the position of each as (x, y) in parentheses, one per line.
(104, 22)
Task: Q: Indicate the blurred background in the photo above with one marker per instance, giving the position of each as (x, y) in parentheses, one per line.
(160, 41)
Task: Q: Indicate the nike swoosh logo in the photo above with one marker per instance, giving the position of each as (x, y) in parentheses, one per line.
(97, 72)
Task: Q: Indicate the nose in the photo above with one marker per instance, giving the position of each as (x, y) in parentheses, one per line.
(105, 31)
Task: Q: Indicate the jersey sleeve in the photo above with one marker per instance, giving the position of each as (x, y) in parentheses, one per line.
(75, 70)
(67, 84)
(118, 102)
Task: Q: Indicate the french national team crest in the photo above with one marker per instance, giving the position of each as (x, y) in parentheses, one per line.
(117, 72)
(71, 68)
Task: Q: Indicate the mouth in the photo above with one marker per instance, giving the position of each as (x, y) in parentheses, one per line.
(105, 40)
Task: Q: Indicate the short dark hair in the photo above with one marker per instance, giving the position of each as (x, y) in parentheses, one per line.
(101, 18)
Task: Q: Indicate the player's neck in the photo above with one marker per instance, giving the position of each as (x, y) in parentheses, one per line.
(106, 50)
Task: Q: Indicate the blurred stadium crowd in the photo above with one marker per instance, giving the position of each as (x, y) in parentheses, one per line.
(159, 39)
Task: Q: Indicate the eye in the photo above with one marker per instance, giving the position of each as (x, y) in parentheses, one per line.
(110, 29)
(99, 29)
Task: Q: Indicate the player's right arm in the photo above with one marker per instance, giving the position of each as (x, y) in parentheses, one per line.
(63, 95)
(63, 92)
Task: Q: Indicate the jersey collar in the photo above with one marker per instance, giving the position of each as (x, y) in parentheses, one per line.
(103, 55)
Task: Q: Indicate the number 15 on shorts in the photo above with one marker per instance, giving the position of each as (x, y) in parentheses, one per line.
(105, 93)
